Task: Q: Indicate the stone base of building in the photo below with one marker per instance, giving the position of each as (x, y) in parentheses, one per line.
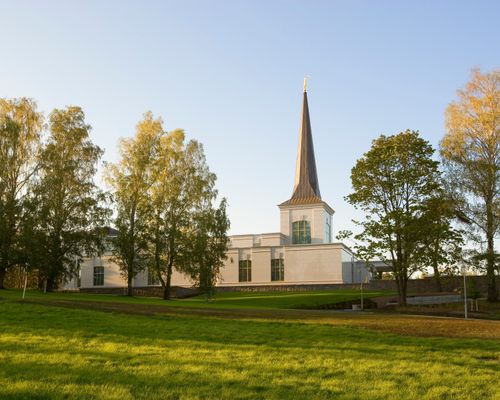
(427, 285)
(177, 292)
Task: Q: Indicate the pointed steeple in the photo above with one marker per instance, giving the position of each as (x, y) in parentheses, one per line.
(306, 186)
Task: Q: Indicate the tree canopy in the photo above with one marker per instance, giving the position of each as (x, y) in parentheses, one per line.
(392, 183)
(67, 208)
(471, 155)
(130, 180)
(164, 194)
(20, 137)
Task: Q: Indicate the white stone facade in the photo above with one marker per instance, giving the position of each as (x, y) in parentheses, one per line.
(302, 251)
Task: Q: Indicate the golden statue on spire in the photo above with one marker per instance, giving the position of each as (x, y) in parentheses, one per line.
(305, 83)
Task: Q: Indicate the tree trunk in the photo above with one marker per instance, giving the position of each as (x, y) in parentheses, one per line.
(490, 271)
(437, 277)
(167, 289)
(490, 259)
(130, 290)
(3, 272)
(402, 294)
(401, 285)
(51, 285)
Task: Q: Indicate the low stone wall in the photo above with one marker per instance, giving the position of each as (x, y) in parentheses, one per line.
(437, 299)
(146, 291)
(415, 286)
(427, 285)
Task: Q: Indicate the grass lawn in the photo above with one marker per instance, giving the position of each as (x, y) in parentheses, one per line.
(61, 346)
(232, 300)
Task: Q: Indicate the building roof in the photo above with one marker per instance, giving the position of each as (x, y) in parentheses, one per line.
(306, 186)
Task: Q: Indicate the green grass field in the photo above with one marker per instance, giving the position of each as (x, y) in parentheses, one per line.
(230, 300)
(243, 346)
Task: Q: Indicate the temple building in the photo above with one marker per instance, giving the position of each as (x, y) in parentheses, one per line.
(301, 253)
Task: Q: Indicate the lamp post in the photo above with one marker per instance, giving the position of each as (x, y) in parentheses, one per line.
(25, 280)
(362, 295)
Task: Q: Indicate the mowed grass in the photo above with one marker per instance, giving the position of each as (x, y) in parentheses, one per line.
(273, 300)
(52, 352)
(229, 300)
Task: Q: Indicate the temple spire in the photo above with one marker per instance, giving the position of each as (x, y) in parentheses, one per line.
(306, 185)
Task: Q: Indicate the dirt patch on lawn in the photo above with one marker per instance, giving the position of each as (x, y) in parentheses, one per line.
(409, 325)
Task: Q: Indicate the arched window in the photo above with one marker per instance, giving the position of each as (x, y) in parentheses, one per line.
(301, 232)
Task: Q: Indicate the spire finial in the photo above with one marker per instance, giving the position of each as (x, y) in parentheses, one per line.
(305, 82)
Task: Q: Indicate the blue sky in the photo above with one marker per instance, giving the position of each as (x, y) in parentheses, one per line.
(230, 73)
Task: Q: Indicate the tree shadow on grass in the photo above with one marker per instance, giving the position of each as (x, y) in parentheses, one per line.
(186, 357)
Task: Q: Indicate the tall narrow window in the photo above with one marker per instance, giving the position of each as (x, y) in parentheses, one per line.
(98, 276)
(245, 268)
(301, 232)
(328, 230)
(277, 269)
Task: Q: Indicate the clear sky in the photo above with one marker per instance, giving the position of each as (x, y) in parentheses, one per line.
(230, 73)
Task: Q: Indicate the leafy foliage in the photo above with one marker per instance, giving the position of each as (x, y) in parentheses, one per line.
(392, 183)
(164, 193)
(181, 215)
(441, 244)
(66, 210)
(208, 247)
(20, 134)
(130, 180)
(471, 156)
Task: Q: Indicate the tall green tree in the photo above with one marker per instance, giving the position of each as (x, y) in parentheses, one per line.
(183, 186)
(441, 245)
(131, 179)
(20, 132)
(471, 154)
(67, 206)
(208, 247)
(391, 184)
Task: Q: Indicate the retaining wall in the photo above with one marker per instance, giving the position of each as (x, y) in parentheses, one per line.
(426, 285)
(147, 291)
(415, 286)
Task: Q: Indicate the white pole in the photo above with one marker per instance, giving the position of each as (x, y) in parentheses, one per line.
(25, 282)
(361, 295)
(465, 296)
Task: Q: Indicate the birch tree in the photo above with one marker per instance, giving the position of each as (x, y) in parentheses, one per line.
(68, 210)
(131, 179)
(183, 185)
(208, 247)
(471, 154)
(20, 133)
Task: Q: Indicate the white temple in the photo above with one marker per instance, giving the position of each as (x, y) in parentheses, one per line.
(301, 253)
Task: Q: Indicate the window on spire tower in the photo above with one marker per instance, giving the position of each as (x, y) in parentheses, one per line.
(301, 232)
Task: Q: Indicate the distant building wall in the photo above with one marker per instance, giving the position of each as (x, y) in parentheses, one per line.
(302, 264)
